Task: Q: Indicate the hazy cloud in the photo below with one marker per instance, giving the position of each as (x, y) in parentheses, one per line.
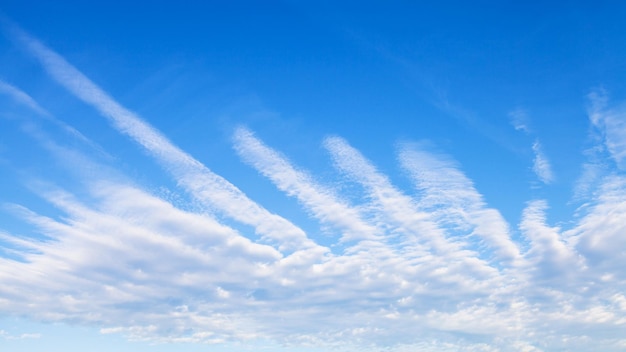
(611, 123)
(541, 165)
(519, 120)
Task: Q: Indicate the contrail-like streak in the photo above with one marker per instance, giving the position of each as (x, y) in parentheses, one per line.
(396, 205)
(197, 179)
(22, 98)
(26, 100)
(320, 201)
(445, 187)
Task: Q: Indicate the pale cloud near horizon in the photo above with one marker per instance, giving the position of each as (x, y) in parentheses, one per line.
(439, 265)
(8, 336)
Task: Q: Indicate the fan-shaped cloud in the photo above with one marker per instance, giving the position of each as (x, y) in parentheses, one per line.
(434, 270)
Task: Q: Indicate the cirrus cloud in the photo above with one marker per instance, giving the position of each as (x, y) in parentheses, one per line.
(438, 265)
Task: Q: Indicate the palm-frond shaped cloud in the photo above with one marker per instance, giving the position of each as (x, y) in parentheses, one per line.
(404, 268)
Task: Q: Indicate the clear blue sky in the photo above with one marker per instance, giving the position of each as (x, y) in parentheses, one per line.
(312, 176)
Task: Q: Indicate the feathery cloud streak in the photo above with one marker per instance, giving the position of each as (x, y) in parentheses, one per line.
(413, 269)
(541, 164)
(321, 201)
(197, 178)
(448, 194)
(611, 122)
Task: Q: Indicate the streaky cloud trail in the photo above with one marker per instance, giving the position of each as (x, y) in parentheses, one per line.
(319, 200)
(449, 194)
(541, 164)
(611, 122)
(201, 183)
(397, 206)
(22, 98)
(417, 234)
(26, 100)
(438, 266)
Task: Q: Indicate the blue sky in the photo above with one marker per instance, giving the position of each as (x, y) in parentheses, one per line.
(312, 176)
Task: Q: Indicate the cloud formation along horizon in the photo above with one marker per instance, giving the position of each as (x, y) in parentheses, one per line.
(438, 265)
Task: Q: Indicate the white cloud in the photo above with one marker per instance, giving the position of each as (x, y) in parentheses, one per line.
(321, 201)
(541, 164)
(519, 120)
(398, 209)
(550, 256)
(592, 172)
(132, 250)
(611, 123)
(599, 234)
(451, 196)
(200, 182)
(411, 276)
(8, 336)
(22, 98)
(139, 266)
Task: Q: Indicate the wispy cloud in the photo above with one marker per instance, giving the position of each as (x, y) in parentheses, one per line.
(321, 201)
(413, 231)
(604, 138)
(519, 120)
(22, 98)
(451, 196)
(611, 122)
(201, 183)
(395, 206)
(8, 336)
(26, 100)
(439, 270)
(541, 164)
